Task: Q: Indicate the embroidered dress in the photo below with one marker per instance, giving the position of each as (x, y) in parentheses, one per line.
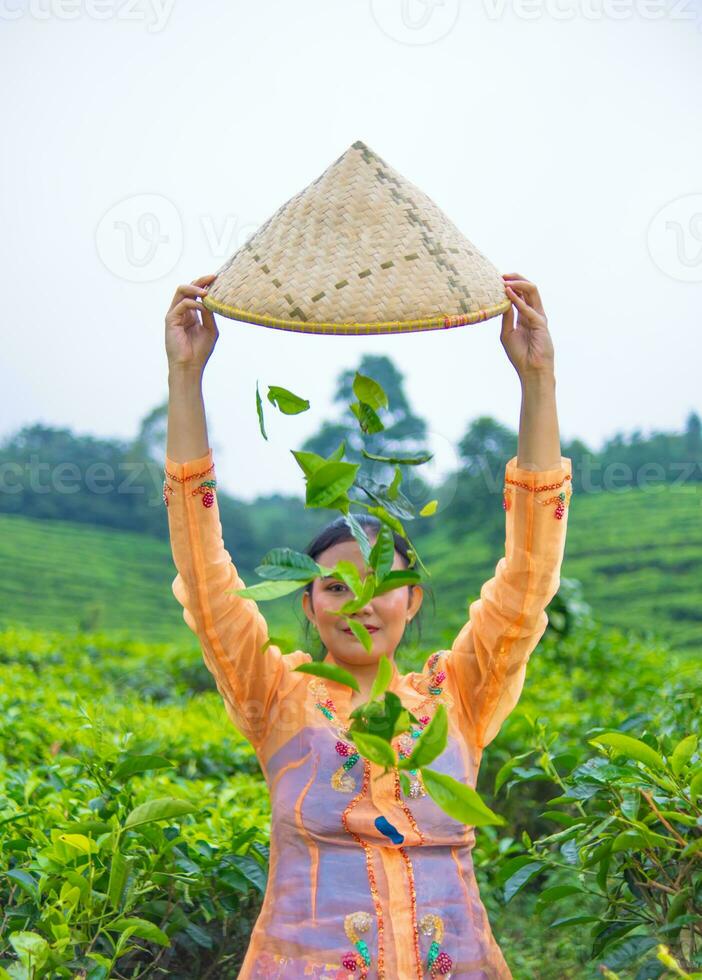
(366, 881)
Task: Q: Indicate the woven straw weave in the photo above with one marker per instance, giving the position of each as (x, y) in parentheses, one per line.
(361, 250)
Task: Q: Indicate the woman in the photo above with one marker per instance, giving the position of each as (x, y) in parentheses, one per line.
(364, 880)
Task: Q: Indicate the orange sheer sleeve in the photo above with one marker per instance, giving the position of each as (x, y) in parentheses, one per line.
(230, 628)
(487, 661)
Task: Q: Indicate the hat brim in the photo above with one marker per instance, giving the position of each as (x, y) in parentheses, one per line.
(442, 322)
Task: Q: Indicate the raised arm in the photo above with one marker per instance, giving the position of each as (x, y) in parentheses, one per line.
(231, 629)
(488, 658)
(487, 661)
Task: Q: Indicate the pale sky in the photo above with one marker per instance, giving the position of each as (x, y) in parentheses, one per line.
(563, 137)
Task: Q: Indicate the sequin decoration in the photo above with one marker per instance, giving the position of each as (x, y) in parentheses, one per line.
(359, 959)
(207, 489)
(406, 745)
(439, 963)
(407, 739)
(341, 779)
(561, 500)
(166, 490)
(190, 476)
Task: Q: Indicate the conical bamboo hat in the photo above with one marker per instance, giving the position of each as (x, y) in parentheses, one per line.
(361, 250)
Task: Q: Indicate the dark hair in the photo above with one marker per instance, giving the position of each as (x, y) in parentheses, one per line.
(337, 531)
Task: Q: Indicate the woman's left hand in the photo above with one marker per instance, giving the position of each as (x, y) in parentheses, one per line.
(528, 346)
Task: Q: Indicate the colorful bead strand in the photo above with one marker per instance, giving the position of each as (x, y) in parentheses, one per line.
(354, 923)
(207, 489)
(561, 500)
(191, 476)
(439, 963)
(341, 779)
(369, 867)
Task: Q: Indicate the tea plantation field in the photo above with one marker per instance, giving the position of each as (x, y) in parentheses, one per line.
(637, 553)
(134, 820)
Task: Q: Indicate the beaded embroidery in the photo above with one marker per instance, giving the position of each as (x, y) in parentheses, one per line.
(354, 923)
(561, 500)
(207, 489)
(341, 779)
(439, 963)
(192, 476)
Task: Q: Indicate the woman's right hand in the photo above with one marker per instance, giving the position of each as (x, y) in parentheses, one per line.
(189, 339)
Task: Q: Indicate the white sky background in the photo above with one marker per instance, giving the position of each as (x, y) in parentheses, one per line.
(555, 142)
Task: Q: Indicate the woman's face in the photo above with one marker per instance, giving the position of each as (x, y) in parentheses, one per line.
(389, 612)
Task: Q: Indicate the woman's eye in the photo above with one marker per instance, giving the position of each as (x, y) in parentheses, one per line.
(337, 585)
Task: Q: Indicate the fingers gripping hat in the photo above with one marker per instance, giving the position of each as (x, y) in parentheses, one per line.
(361, 250)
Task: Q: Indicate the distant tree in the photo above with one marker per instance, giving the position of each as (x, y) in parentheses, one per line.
(405, 432)
(150, 442)
(693, 439)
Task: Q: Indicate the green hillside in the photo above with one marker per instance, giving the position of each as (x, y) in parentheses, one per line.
(638, 554)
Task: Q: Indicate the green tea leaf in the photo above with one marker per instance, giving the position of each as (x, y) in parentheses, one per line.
(394, 487)
(331, 671)
(632, 748)
(308, 462)
(141, 928)
(401, 460)
(520, 878)
(328, 482)
(382, 554)
(405, 783)
(360, 536)
(550, 895)
(349, 575)
(162, 809)
(374, 748)
(696, 785)
(396, 579)
(399, 505)
(382, 514)
(367, 390)
(431, 743)
(140, 763)
(682, 753)
(287, 402)
(269, 590)
(366, 594)
(119, 871)
(284, 563)
(382, 678)
(259, 410)
(458, 800)
(368, 420)
(361, 634)
(429, 509)
(338, 453)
